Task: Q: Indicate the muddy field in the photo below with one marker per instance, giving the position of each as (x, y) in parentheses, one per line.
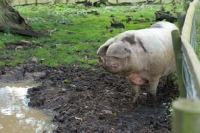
(92, 100)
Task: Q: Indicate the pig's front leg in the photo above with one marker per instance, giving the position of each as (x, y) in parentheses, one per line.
(151, 91)
(134, 92)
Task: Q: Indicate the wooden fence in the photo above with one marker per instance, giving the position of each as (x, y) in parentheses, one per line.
(37, 2)
(186, 112)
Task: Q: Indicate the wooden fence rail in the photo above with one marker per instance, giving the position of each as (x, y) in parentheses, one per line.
(186, 117)
(193, 63)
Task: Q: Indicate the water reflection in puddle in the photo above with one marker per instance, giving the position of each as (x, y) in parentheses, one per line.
(16, 116)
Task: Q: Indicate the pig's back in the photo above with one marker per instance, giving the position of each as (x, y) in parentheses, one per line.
(160, 51)
(159, 54)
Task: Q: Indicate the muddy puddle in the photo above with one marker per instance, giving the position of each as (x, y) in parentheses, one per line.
(16, 116)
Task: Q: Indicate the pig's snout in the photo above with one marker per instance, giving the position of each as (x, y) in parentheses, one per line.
(108, 64)
(104, 62)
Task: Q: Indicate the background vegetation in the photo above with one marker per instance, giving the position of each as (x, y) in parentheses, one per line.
(78, 33)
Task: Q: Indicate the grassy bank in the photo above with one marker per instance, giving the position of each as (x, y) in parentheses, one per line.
(78, 33)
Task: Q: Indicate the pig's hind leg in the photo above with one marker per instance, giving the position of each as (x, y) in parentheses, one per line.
(169, 78)
(151, 91)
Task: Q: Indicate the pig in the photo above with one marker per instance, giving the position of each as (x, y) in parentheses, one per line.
(142, 56)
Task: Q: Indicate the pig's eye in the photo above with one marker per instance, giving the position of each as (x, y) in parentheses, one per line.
(127, 50)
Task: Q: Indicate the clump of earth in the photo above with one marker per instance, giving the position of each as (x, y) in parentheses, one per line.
(93, 100)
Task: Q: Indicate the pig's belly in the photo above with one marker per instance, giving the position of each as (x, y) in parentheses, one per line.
(138, 78)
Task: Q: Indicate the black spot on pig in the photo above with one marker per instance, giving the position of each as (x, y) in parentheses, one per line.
(130, 39)
(142, 45)
(156, 26)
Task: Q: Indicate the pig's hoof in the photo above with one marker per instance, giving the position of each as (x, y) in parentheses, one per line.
(151, 98)
(134, 100)
(134, 103)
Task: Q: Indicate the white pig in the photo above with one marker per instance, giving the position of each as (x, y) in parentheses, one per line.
(143, 56)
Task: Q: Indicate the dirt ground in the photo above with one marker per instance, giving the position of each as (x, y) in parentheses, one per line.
(92, 100)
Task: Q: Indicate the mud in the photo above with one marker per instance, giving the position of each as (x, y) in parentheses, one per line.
(92, 100)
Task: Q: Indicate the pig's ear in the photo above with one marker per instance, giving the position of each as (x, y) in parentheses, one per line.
(119, 50)
(104, 47)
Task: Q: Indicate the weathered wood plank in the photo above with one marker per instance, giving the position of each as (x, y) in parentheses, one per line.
(186, 118)
(187, 27)
(193, 62)
(178, 58)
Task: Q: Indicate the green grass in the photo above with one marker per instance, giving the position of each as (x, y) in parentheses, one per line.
(66, 81)
(78, 34)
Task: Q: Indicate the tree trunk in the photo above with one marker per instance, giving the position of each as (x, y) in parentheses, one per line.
(11, 20)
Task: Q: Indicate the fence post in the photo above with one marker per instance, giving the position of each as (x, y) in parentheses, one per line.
(178, 58)
(186, 5)
(186, 117)
(181, 20)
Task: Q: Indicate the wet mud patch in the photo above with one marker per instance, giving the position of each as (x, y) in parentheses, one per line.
(92, 100)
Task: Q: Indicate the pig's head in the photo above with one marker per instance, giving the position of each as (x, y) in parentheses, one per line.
(115, 56)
